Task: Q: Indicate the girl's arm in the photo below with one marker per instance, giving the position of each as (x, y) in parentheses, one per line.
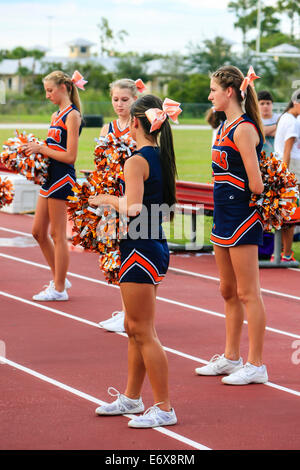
(270, 131)
(104, 130)
(246, 139)
(288, 145)
(73, 124)
(136, 171)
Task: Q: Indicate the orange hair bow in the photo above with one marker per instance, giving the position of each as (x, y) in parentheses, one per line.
(140, 85)
(78, 80)
(157, 116)
(248, 80)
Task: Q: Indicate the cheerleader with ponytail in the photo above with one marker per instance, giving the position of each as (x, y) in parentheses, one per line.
(61, 148)
(149, 184)
(237, 228)
(124, 92)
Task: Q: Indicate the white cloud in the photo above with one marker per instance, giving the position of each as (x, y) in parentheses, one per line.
(200, 4)
(156, 25)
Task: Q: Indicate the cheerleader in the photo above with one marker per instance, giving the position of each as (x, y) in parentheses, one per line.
(123, 94)
(237, 228)
(51, 209)
(149, 181)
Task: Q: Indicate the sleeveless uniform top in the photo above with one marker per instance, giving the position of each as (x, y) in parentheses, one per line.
(115, 129)
(61, 176)
(230, 177)
(147, 224)
(144, 251)
(234, 222)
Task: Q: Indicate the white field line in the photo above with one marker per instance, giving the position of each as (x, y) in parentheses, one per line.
(172, 351)
(189, 273)
(162, 299)
(28, 125)
(211, 278)
(95, 400)
(87, 322)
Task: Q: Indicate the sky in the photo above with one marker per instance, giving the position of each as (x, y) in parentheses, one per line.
(153, 26)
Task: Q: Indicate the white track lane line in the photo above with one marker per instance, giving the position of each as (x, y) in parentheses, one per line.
(211, 278)
(189, 273)
(85, 396)
(25, 234)
(172, 351)
(162, 299)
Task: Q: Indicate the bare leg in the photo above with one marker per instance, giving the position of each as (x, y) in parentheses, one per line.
(287, 240)
(245, 264)
(40, 231)
(234, 312)
(58, 221)
(145, 353)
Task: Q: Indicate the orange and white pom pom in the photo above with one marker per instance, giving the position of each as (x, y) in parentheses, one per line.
(101, 229)
(34, 167)
(6, 192)
(278, 202)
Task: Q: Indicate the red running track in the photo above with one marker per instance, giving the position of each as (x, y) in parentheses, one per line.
(59, 363)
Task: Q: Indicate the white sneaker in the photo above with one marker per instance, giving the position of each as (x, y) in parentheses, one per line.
(154, 417)
(246, 375)
(68, 284)
(122, 405)
(219, 365)
(114, 323)
(51, 294)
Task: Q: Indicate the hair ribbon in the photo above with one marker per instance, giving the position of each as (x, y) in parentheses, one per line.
(140, 85)
(248, 80)
(78, 80)
(157, 116)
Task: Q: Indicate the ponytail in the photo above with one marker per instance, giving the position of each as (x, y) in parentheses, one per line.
(168, 164)
(74, 97)
(252, 109)
(230, 76)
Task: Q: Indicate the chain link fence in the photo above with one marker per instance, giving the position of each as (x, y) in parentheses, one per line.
(19, 108)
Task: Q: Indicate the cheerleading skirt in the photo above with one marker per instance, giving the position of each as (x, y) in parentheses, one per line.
(236, 224)
(143, 261)
(60, 181)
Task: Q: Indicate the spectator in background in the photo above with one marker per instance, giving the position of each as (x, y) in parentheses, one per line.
(269, 119)
(287, 146)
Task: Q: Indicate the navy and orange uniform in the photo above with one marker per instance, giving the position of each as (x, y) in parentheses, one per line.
(115, 129)
(234, 221)
(144, 250)
(61, 176)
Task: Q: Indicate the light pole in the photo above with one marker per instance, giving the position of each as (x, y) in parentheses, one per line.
(258, 26)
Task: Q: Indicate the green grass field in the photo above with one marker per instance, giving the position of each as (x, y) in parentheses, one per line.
(44, 119)
(192, 148)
